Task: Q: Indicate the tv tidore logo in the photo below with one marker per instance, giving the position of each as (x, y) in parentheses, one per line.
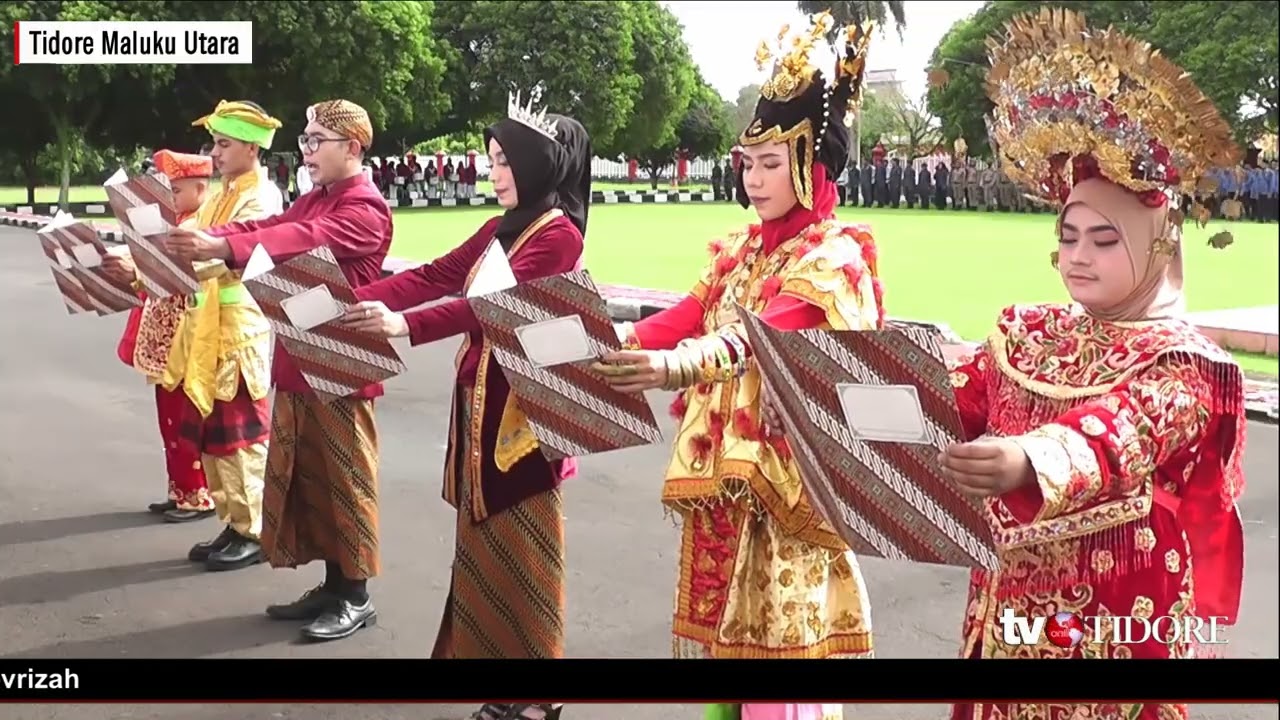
(1067, 630)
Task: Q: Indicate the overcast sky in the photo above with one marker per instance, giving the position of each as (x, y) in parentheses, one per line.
(723, 37)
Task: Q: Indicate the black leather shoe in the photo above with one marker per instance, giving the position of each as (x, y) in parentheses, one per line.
(310, 606)
(241, 552)
(162, 507)
(200, 552)
(342, 620)
(178, 515)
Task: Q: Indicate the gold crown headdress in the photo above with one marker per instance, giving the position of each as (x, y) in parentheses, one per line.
(536, 120)
(1071, 100)
(798, 107)
(794, 73)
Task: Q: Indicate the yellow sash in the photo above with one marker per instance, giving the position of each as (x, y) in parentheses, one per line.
(193, 362)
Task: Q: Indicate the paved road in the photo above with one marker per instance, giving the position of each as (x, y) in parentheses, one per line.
(85, 573)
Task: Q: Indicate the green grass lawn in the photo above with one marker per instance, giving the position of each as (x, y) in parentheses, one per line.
(95, 194)
(943, 266)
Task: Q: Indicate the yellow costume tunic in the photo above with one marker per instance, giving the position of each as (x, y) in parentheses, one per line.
(761, 574)
(222, 343)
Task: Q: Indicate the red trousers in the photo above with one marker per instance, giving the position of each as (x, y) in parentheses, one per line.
(187, 485)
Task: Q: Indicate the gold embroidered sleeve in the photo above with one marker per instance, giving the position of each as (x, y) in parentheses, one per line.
(1103, 455)
(834, 277)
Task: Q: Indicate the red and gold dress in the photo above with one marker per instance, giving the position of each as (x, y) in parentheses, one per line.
(761, 575)
(1135, 431)
(148, 338)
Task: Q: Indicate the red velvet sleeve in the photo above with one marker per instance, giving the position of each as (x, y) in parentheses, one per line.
(352, 230)
(663, 330)
(445, 276)
(786, 312)
(556, 250)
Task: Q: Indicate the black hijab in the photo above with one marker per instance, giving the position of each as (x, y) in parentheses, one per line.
(548, 173)
(575, 190)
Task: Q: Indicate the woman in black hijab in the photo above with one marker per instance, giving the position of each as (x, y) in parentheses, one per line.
(507, 594)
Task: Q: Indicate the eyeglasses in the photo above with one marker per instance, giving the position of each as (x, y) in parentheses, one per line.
(311, 143)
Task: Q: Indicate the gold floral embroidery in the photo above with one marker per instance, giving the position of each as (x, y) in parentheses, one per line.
(1145, 539)
(1063, 352)
(1092, 426)
(1143, 607)
(1172, 561)
(1103, 561)
(959, 380)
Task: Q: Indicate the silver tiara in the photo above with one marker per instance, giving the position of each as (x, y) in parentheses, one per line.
(527, 116)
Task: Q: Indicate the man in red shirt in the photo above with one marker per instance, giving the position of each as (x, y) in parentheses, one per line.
(320, 501)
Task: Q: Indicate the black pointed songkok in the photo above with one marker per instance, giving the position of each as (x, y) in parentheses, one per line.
(799, 107)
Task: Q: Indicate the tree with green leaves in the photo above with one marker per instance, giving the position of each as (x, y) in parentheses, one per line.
(67, 105)
(704, 131)
(856, 12)
(875, 121)
(1229, 48)
(744, 109)
(668, 77)
(380, 55)
(541, 47)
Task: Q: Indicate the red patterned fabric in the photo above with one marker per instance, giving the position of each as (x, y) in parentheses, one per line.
(230, 427)
(129, 339)
(1135, 432)
(187, 485)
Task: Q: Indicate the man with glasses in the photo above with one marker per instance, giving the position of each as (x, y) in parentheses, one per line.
(320, 501)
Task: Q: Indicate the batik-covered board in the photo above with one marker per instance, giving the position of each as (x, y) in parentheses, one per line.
(571, 410)
(885, 498)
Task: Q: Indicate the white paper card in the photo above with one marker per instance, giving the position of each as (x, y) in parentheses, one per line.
(119, 177)
(259, 263)
(63, 258)
(61, 220)
(555, 342)
(87, 255)
(417, 176)
(147, 221)
(494, 274)
(884, 413)
(311, 308)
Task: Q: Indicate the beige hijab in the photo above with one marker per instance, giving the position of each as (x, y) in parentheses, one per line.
(1157, 266)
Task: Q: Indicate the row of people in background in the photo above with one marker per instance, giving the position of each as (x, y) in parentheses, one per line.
(1248, 193)
(397, 179)
(970, 186)
(408, 180)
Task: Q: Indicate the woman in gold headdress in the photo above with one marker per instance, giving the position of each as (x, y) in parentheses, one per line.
(1109, 432)
(761, 574)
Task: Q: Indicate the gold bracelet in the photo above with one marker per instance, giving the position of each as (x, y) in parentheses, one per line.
(689, 363)
(710, 368)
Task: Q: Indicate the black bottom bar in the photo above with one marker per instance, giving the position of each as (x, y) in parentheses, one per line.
(639, 680)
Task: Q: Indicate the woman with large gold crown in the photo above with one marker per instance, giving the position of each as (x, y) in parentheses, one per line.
(761, 575)
(1107, 434)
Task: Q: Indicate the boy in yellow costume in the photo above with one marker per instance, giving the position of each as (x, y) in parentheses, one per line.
(221, 356)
